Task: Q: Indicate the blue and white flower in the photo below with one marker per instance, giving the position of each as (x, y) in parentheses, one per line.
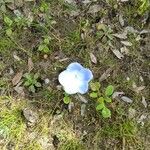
(75, 79)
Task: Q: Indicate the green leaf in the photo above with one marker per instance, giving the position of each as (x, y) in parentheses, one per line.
(93, 95)
(32, 88)
(66, 100)
(95, 86)
(100, 106)
(47, 40)
(27, 83)
(28, 76)
(36, 76)
(8, 21)
(107, 99)
(109, 90)
(106, 113)
(38, 84)
(46, 49)
(100, 100)
(9, 32)
(43, 48)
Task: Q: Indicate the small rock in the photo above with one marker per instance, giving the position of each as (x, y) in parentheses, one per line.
(46, 81)
(31, 116)
(11, 71)
(141, 119)
(45, 56)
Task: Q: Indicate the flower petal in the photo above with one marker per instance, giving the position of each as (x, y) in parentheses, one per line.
(83, 88)
(63, 77)
(86, 74)
(69, 81)
(74, 66)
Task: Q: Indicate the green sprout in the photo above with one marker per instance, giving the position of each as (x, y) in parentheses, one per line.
(66, 99)
(102, 99)
(44, 45)
(8, 22)
(31, 81)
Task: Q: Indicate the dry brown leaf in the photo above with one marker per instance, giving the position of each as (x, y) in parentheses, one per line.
(19, 90)
(138, 89)
(30, 65)
(124, 50)
(30, 115)
(120, 36)
(94, 9)
(144, 101)
(118, 54)
(17, 78)
(105, 75)
(126, 99)
(117, 94)
(93, 58)
(126, 43)
(121, 21)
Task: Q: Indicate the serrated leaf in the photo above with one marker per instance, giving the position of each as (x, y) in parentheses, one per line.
(109, 90)
(94, 86)
(93, 95)
(100, 106)
(106, 113)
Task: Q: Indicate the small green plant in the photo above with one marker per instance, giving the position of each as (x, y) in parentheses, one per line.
(44, 7)
(102, 98)
(31, 81)
(144, 6)
(104, 33)
(8, 22)
(43, 47)
(66, 99)
(12, 125)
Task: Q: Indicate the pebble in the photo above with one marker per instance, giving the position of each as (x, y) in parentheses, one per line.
(46, 81)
